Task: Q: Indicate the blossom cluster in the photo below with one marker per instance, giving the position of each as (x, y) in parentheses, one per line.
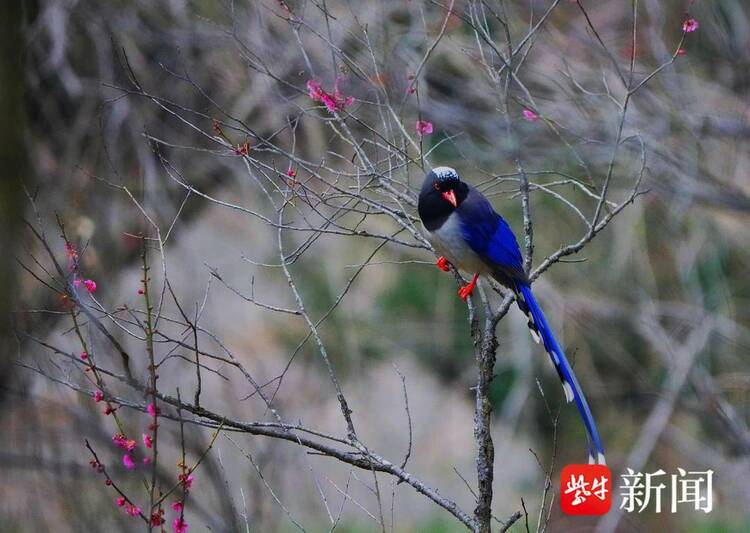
(335, 101)
(130, 448)
(73, 258)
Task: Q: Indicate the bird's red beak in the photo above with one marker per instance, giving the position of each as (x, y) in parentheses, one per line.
(450, 196)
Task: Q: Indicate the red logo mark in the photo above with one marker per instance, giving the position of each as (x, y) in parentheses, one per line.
(585, 489)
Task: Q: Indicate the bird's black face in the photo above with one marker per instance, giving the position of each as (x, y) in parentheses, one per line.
(442, 192)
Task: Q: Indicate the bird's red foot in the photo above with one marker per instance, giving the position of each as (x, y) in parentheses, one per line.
(465, 291)
(442, 264)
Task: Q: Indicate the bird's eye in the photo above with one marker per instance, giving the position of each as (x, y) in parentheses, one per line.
(437, 186)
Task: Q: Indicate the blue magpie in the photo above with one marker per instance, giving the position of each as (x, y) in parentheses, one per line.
(462, 226)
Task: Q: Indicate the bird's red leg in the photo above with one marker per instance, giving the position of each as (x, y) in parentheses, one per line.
(465, 291)
(442, 264)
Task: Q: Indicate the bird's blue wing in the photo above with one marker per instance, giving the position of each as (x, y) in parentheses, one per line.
(489, 235)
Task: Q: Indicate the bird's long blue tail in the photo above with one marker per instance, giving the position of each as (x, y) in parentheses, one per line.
(538, 325)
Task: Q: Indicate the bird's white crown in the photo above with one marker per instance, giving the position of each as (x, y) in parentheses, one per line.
(445, 172)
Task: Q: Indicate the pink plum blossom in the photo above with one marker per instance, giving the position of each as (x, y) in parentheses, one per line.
(156, 518)
(186, 480)
(689, 25)
(122, 442)
(423, 127)
(132, 510)
(152, 410)
(128, 461)
(179, 525)
(529, 115)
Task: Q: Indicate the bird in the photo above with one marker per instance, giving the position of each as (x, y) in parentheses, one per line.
(469, 234)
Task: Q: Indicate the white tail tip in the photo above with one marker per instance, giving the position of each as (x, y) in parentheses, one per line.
(600, 460)
(568, 389)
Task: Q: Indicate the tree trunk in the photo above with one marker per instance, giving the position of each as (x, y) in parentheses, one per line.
(14, 170)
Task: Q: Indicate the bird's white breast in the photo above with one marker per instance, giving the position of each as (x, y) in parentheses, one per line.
(448, 240)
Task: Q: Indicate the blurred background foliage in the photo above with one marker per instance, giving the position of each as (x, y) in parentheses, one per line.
(676, 258)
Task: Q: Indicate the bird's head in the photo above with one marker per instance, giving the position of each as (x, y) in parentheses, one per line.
(442, 192)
